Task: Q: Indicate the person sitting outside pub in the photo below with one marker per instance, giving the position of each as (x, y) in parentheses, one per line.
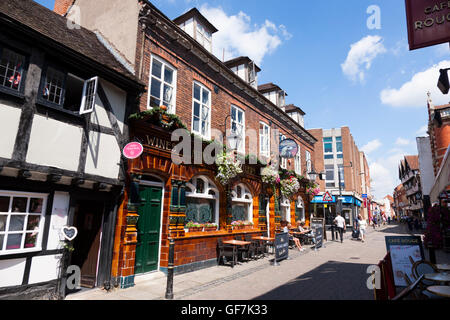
(286, 227)
(306, 231)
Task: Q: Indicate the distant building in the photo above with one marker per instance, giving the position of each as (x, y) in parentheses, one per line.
(426, 170)
(400, 200)
(334, 151)
(409, 174)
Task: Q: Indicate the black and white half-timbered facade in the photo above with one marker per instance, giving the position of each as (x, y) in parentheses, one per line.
(65, 98)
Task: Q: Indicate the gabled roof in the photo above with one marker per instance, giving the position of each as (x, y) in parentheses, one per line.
(413, 162)
(195, 13)
(32, 17)
(290, 108)
(240, 60)
(269, 87)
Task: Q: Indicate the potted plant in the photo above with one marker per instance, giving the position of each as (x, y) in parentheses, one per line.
(237, 225)
(210, 226)
(194, 226)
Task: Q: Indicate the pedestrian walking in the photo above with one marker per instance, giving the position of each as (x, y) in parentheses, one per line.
(374, 222)
(362, 224)
(340, 223)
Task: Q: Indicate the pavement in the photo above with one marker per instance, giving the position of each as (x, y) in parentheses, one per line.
(336, 272)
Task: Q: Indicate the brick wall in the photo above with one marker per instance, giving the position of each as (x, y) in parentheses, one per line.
(61, 6)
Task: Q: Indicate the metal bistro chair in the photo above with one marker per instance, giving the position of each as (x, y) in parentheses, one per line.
(226, 251)
(243, 250)
(408, 290)
(251, 247)
(422, 267)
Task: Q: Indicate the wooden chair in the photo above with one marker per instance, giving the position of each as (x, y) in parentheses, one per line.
(408, 290)
(226, 251)
(243, 250)
(422, 267)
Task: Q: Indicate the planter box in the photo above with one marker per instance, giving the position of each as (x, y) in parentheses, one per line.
(210, 229)
(196, 229)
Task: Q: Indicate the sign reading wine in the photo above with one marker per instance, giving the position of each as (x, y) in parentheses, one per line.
(428, 22)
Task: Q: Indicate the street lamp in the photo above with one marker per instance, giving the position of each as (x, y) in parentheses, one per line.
(233, 139)
(443, 83)
(312, 174)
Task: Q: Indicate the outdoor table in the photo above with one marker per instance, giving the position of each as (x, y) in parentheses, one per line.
(261, 238)
(438, 277)
(237, 242)
(443, 291)
(443, 267)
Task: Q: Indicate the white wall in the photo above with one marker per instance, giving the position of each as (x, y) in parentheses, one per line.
(11, 272)
(44, 268)
(60, 211)
(9, 124)
(425, 164)
(54, 143)
(103, 156)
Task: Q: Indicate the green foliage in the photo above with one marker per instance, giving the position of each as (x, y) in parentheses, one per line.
(154, 116)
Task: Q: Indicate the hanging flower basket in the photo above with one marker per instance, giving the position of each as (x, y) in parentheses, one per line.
(313, 190)
(270, 176)
(289, 186)
(228, 168)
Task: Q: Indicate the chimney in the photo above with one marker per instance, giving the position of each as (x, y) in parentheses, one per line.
(61, 6)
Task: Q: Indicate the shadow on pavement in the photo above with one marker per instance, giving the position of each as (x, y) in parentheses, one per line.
(330, 281)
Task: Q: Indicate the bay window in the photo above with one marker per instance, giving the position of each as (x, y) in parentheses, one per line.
(162, 89)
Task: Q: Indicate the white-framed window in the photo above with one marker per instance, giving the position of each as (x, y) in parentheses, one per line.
(238, 127)
(298, 162)
(162, 85)
(299, 209)
(203, 36)
(89, 94)
(242, 203)
(264, 139)
(308, 162)
(202, 201)
(201, 111)
(12, 66)
(283, 161)
(21, 221)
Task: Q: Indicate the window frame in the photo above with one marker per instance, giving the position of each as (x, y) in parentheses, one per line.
(283, 161)
(26, 55)
(207, 136)
(246, 199)
(261, 152)
(174, 85)
(298, 162)
(84, 96)
(191, 193)
(24, 232)
(241, 147)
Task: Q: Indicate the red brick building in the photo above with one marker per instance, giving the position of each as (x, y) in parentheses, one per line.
(210, 98)
(337, 156)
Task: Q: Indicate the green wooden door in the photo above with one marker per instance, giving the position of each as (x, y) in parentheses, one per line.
(147, 248)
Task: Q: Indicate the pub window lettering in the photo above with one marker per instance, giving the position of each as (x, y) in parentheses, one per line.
(68, 92)
(12, 68)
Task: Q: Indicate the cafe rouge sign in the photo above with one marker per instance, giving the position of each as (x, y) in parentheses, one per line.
(428, 22)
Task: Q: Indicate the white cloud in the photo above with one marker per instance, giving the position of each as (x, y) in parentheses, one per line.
(361, 55)
(371, 146)
(414, 92)
(239, 37)
(422, 131)
(402, 142)
(384, 174)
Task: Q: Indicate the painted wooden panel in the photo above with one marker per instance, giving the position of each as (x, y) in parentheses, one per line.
(103, 155)
(44, 268)
(11, 272)
(54, 143)
(9, 124)
(118, 100)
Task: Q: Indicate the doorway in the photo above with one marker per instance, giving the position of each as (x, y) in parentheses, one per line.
(147, 248)
(88, 216)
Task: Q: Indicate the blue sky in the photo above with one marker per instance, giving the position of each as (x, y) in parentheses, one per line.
(377, 87)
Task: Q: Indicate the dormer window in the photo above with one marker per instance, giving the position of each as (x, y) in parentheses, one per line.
(197, 26)
(245, 68)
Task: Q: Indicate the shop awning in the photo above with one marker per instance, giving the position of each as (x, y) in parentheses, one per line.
(442, 180)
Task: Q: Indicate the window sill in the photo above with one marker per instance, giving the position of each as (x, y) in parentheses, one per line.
(19, 251)
(10, 92)
(59, 109)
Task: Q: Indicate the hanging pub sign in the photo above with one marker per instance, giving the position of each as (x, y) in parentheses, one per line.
(428, 22)
(133, 150)
(288, 149)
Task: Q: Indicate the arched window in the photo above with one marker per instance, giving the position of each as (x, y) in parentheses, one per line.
(285, 207)
(202, 201)
(242, 203)
(299, 209)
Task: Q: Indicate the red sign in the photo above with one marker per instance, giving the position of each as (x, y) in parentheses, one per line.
(133, 150)
(428, 22)
(327, 197)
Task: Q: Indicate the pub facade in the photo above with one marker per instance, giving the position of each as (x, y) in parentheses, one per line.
(193, 96)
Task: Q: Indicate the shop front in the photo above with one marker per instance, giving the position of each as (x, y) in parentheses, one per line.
(351, 207)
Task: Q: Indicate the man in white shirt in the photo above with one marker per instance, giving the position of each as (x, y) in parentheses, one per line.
(340, 224)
